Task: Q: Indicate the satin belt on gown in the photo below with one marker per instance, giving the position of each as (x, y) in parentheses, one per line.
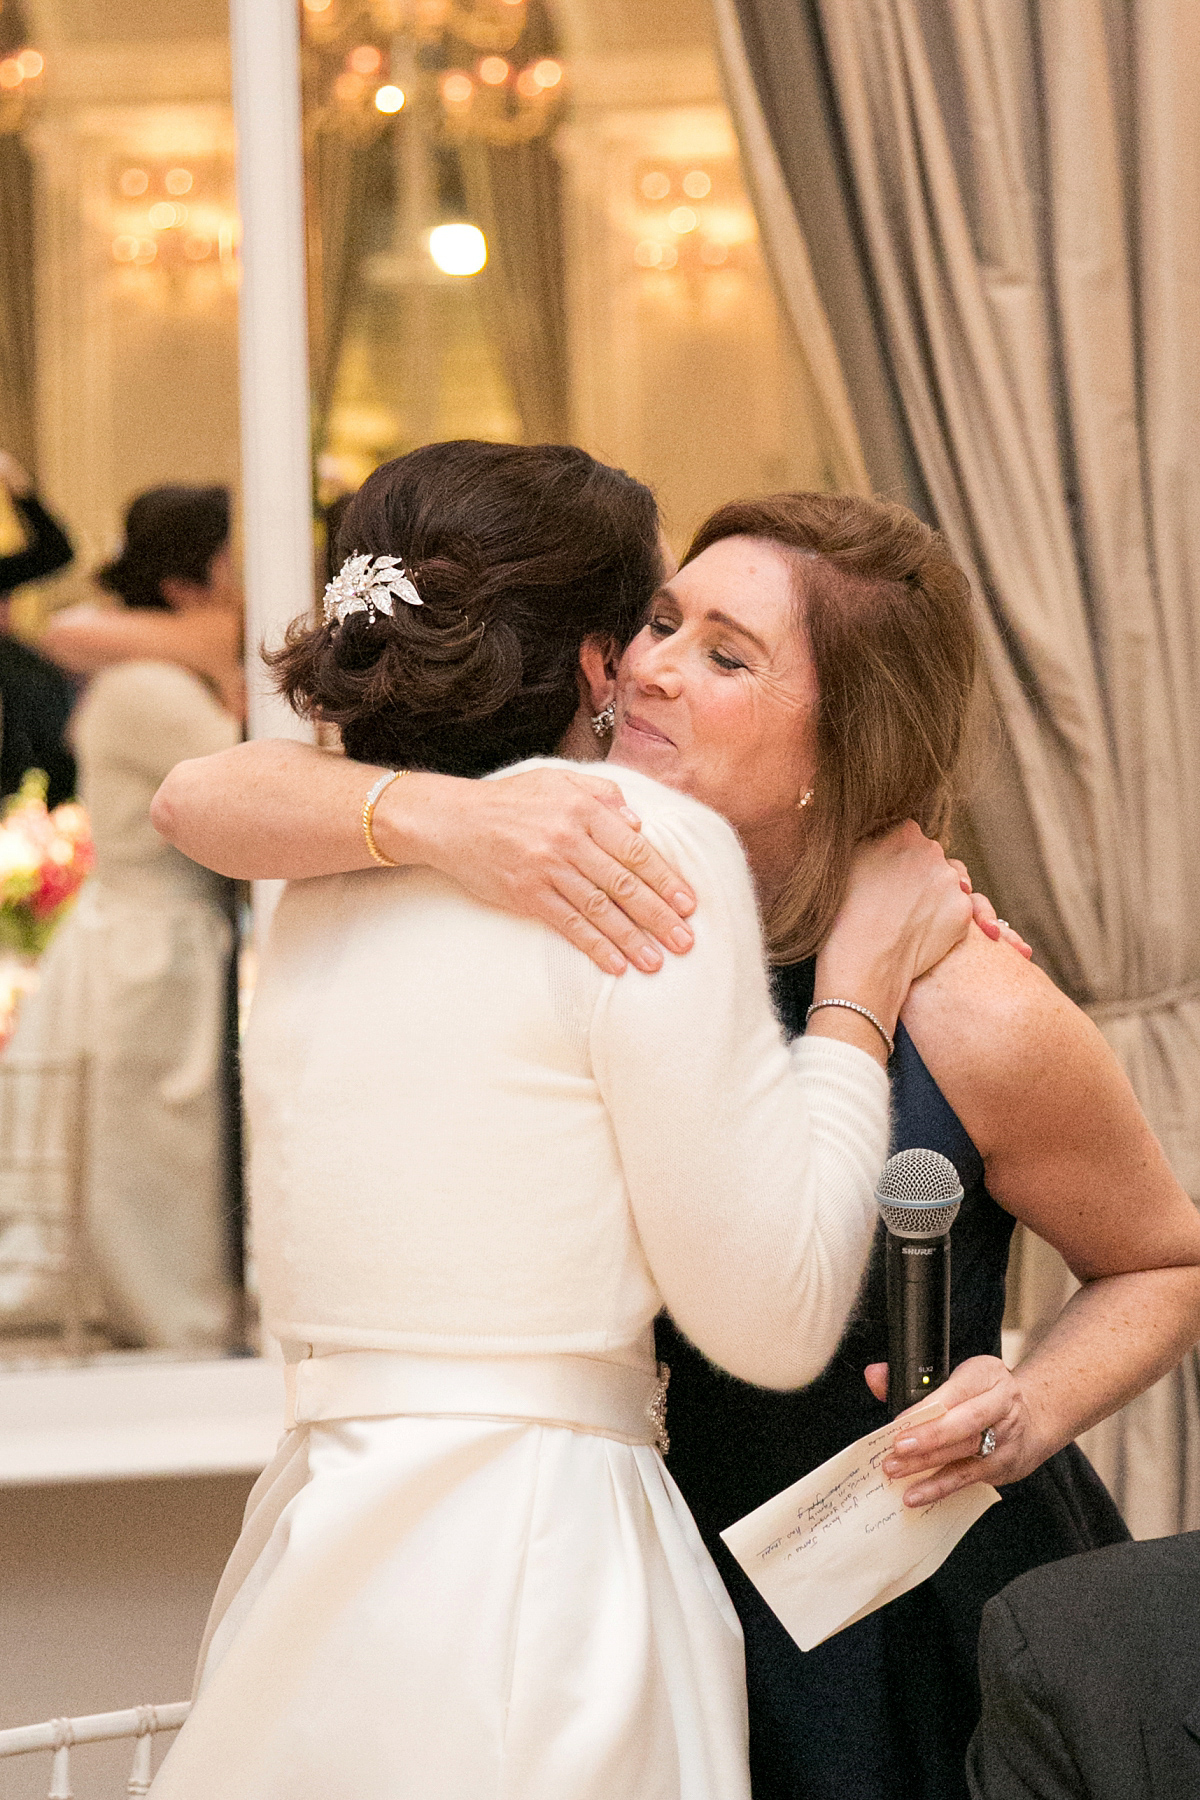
(467, 1579)
(584, 1393)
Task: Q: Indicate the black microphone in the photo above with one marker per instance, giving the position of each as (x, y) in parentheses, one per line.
(918, 1196)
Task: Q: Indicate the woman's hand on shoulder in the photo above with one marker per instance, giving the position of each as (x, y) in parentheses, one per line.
(985, 915)
(906, 891)
(981, 1394)
(904, 909)
(561, 847)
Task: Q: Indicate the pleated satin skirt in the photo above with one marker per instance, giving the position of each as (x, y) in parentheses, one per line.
(461, 1609)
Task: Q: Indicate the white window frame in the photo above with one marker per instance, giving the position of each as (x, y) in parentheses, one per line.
(273, 340)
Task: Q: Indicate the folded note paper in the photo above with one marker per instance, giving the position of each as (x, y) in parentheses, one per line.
(840, 1543)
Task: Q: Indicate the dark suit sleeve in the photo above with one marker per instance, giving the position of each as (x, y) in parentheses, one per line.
(35, 704)
(1017, 1752)
(48, 550)
(48, 735)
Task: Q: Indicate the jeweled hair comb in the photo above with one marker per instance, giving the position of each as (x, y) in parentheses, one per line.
(371, 585)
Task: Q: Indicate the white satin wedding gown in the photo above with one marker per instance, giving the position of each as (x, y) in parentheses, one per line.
(480, 1167)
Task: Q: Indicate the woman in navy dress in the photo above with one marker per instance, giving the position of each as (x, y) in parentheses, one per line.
(813, 1734)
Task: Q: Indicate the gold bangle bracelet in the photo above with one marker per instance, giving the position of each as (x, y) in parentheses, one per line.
(368, 814)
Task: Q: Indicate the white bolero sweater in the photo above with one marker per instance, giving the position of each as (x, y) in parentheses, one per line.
(467, 1139)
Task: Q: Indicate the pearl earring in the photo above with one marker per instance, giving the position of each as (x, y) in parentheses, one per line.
(603, 722)
(802, 803)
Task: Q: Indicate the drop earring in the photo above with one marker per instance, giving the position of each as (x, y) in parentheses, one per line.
(803, 802)
(603, 722)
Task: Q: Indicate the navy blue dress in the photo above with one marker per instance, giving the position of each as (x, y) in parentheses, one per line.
(884, 1710)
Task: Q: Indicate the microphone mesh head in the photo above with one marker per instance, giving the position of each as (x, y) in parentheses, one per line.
(919, 1193)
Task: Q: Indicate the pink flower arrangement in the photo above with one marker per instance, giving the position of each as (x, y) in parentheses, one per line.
(44, 859)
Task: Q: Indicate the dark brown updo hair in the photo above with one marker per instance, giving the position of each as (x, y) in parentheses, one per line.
(886, 612)
(169, 531)
(519, 553)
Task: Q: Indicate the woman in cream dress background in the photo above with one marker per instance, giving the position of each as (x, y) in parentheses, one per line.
(137, 977)
(480, 1167)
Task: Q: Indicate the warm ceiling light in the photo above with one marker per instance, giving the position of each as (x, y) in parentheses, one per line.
(697, 185)
(348, 85)
(647, 254)
(134, 182)
(547, 73)
(458, 249)
(682, 219)
(389, 99)
(493, 70)
(31, 63)
(669, 257)
(10, 73)
(164, 214)
(365, 59)
(656, 185)
(528, 84)
(125, 248)
(178, 181)
(457, 88)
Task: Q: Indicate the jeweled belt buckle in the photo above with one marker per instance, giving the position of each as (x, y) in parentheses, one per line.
(656, 1410)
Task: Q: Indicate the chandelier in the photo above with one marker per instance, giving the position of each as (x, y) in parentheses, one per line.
(484, 68)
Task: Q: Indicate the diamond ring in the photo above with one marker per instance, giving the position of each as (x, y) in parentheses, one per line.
(987, 1442)
(1003, 925)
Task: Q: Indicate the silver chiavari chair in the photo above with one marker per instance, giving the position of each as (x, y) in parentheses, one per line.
(60, 1736)
(43, 1152)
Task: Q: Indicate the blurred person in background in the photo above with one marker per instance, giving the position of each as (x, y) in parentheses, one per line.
(83, 640)
(138, 977)
(35, 697)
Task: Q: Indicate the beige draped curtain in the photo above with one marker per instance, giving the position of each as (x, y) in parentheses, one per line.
(514, 194)
(513, 189)
(18, 423)
(18, 419)
(1008, 201)
(341, 166)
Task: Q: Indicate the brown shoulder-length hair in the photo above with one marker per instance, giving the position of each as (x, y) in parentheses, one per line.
(887, 614)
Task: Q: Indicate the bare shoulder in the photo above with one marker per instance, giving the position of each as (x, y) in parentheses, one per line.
(1001, 1040)
(1066, 1147)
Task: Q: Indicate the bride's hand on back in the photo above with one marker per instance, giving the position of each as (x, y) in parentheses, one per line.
(905, 908)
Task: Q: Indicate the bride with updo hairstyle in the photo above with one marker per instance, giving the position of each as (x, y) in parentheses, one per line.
(472, 678)
(481, 1166)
